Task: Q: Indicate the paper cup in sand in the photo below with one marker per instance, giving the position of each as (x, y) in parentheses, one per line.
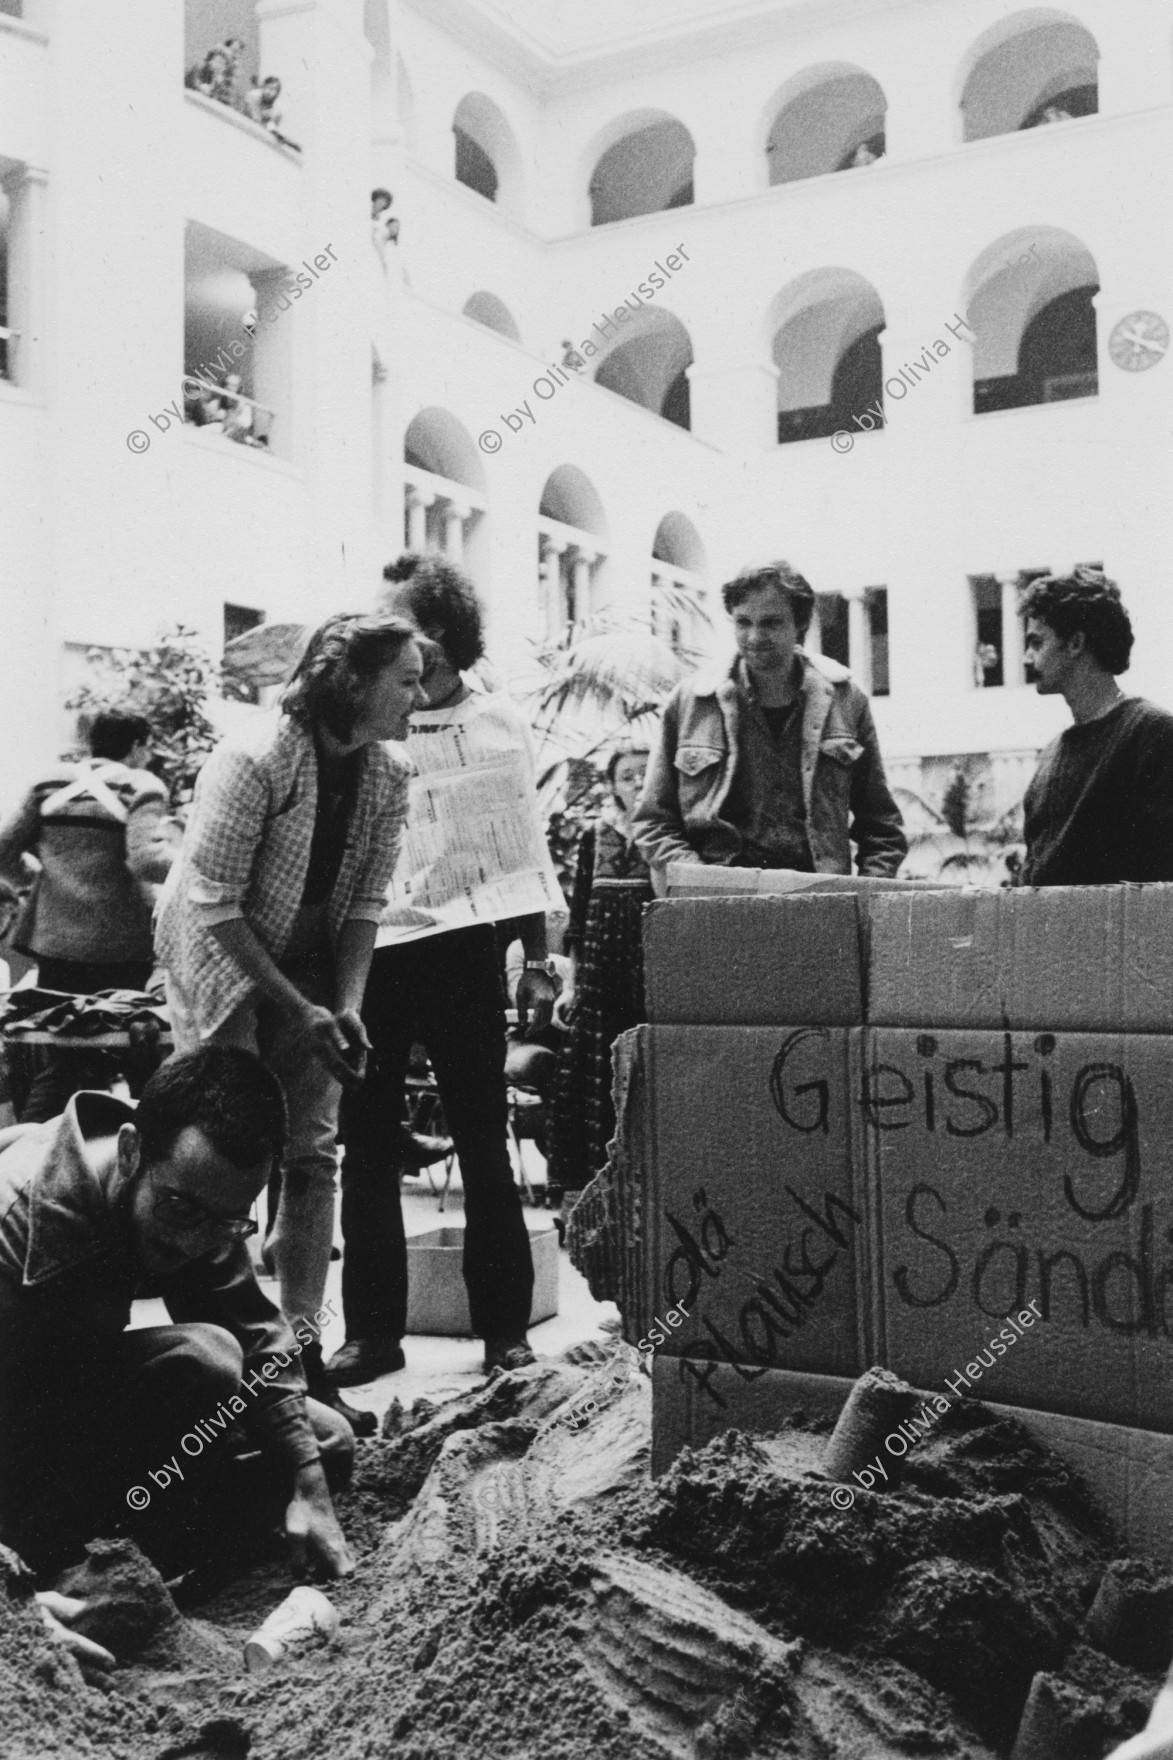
(305, 1617)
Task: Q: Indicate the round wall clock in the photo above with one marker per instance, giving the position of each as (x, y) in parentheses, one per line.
(1139, 341)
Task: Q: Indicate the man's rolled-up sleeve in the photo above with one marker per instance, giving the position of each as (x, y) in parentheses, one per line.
(369, 899)
(223, 1291)
(224, 835)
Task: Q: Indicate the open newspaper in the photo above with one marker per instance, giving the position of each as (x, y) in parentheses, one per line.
(474, 850)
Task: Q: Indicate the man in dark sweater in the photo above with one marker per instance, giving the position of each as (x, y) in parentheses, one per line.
(1099, 808)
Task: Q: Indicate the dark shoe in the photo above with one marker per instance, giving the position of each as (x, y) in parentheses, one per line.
(317, 1386)
(364, 1359)
(506, 1354)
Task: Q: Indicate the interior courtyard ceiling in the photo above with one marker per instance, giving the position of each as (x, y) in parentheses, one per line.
(550, 44)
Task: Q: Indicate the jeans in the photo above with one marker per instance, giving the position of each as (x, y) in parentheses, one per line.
(85, 1426)
(304, 1231)
(61, 1074)
(445, 991)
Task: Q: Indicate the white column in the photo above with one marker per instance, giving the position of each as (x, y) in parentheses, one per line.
(453, 516)
(813, 641)
(859, 641)
(418, 502)
(550, 584)
(318, 50)
(581, 563)
(1012, 633)
(29, 289)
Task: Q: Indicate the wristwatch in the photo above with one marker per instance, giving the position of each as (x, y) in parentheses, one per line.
(542, 965)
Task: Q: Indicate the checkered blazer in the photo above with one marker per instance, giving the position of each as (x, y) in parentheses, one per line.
(246, 853)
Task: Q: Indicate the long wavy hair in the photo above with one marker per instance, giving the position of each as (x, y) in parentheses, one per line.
(334, 673)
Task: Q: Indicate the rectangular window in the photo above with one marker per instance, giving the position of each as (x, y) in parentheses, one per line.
(876, 606)
(237, 368)
(988, 650)
(7, 344)
(238, 620)
(834, 638)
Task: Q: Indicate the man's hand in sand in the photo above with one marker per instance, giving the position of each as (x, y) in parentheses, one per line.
(58, 1611)
(316, 1542)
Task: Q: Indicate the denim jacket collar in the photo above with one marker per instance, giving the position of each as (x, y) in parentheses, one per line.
(74, 1202)
(720, 679)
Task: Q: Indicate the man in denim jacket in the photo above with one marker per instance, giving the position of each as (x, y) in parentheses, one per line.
(773, 762)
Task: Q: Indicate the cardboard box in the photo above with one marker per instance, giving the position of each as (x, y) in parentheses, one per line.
(1006, 1169)
(754, 961)
(1057, 959)
(437, 1301)
(701, 880)
(736, 1197)
(1127, 1471)
(822, 1198)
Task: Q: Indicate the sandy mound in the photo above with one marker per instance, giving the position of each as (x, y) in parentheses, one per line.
(526, 1593)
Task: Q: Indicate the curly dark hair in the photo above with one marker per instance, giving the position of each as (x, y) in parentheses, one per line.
(797, 592)
(226, 1093)
(441, 602)
(1084, 600)
(343, 655)
(113, 732)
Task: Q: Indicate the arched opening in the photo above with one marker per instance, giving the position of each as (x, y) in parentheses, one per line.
(486, 156)
(679, 603)
(825, 338)
(572, 534)
(649, 365)
(1033, 68)
(646, 168)
(445, 484)
(828, 118)
(435, 441)
(1031, 307)
(494, 314)
(677, 542)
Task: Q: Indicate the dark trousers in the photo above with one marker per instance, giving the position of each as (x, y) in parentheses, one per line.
(86, 1426)
(61, 1074)
(446, 992)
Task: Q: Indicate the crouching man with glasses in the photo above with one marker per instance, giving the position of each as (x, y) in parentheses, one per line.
(162, 1432)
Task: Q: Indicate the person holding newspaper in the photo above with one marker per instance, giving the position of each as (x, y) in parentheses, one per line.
(474, 855)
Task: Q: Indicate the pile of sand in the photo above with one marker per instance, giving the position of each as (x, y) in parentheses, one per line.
(525, 1592)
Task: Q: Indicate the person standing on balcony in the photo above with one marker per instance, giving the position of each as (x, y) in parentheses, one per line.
(441, 985)
(1099, 809)
(774, 761)
(267, 925)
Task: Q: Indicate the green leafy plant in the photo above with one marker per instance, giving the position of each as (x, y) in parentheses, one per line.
(601, 681)
(169, 683)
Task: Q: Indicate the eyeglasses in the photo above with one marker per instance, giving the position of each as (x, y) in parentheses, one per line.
(186, 1215)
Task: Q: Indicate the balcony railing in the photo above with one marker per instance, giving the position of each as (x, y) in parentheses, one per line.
(253, 433)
